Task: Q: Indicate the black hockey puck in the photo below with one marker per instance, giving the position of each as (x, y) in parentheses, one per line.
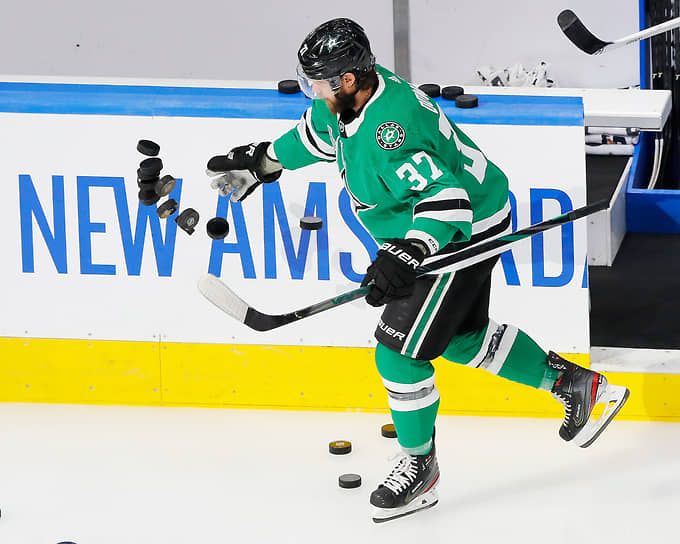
(467, 101)
(217, 228)
(147, 185)
(148, 148)
(349, 481)
(165, 185)
(311, 223)
(451, 92)
(166, 209)
(340, 447)
(148, 197)
(430, 89)
(187, 220)
(388, 431)
(150, 167)
(146, 177)
(288, 86)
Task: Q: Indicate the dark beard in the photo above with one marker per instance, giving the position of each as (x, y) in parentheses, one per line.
(343, 102)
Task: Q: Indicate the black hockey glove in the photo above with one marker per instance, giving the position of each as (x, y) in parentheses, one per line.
(240, 171)
(393, 272)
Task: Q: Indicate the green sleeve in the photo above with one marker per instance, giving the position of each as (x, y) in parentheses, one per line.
(309, 142)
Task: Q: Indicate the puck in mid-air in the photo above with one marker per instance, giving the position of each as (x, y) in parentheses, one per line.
(430, 89)
(349, 481)
(165, 185)
(217, 228)
(311, 223)
(148, 197)
(150, 167)
(388, 431)
(166, 209)
(451, 92)
(147, 185)
(187, 220)
(340, 447)
(467, 101)
(288, 86)
(148, 148)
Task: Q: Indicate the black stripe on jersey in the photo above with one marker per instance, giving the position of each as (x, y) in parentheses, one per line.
(311, 136)
(498, 228)
(441, 205)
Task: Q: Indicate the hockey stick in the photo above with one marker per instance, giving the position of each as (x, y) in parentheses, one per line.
(229, 302)
(586, 41)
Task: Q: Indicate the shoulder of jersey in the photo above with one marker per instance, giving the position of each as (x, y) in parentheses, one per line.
(399, 112)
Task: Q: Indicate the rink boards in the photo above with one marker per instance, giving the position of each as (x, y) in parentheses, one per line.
(102, 296)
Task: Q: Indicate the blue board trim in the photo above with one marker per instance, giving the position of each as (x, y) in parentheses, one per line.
(140, 100)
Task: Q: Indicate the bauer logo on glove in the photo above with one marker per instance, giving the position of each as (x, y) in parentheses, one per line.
(392, 274)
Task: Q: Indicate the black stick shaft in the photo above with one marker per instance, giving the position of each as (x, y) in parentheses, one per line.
(468, 256)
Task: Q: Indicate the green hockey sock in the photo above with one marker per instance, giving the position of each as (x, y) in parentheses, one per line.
(505, 351)
(412, 396)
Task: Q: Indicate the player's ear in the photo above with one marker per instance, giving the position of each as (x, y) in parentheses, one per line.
(348, 80)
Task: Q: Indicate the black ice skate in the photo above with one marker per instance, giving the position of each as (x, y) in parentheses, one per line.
(580, 389)
(408, 488)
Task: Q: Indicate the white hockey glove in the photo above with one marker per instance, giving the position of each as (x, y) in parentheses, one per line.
(239, 172)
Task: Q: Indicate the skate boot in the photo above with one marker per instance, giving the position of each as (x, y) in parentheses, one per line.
(408, 488)
(579, 390)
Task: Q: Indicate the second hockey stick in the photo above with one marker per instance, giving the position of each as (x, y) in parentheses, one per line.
(586, 41)
(229, 302)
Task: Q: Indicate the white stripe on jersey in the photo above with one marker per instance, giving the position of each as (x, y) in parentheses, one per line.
(450, 204)
(312, 141)
(498, 217)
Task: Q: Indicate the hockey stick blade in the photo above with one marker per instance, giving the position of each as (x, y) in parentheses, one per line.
(579, 35)
(229, 302)
(586, 41)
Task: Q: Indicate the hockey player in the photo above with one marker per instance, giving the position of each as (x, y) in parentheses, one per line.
(423, 189)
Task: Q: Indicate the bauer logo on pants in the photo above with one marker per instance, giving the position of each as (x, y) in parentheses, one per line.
(390, 135)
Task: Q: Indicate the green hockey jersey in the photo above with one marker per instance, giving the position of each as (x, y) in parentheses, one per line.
(410, 171)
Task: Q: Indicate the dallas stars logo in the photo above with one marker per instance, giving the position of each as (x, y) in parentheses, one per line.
(390, 135)
(331, 42)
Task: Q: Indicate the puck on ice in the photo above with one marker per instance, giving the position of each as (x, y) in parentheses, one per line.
(150, 167)
(217, 228)
(165, 185)
(430, 89)
(467, 101)
(340, 447)
(451, 92)
(388, 431)
(311, 223)
(148, 148)
(187, 220)
(288, 86)
(166, 209)
(349, 481)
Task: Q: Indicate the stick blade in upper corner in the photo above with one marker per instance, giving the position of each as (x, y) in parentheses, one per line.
(221, 296)
(579, 35)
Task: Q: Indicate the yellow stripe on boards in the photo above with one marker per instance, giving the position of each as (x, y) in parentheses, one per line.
(278, 377)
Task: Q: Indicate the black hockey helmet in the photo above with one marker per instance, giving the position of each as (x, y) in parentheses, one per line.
(332, 49)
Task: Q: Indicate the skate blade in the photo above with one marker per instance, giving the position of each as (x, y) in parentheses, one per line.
(615, 396)
(424, 501)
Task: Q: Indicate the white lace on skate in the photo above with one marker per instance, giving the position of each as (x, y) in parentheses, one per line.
(402, 475)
